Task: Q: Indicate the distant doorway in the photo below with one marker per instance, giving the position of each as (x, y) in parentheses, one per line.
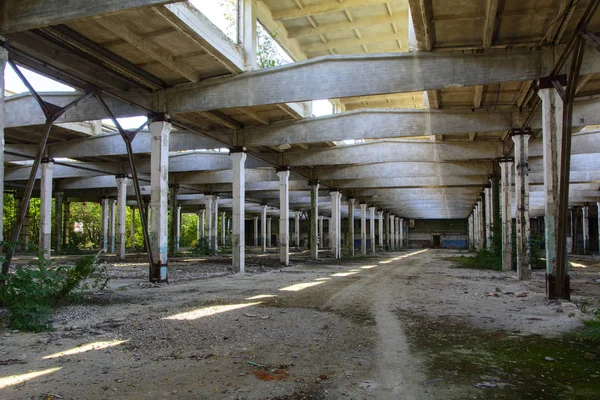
(437, 241)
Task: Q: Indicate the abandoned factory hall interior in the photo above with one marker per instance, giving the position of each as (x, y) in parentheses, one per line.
(300, 199)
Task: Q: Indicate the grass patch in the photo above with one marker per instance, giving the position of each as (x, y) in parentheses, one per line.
(460, 356)
(481, 260)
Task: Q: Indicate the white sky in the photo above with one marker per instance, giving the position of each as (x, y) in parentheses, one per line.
(210, 8)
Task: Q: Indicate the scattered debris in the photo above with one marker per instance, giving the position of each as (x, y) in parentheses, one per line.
(549, 359)
(257, 364)
(523, 294)
(431, 382)
(485, 385)
(12, 361)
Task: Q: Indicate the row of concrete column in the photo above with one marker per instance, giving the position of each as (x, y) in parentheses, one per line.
(481, 221)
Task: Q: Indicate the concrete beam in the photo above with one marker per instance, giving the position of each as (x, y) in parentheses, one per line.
(19, 15)
(113, 145)
(360, 75)
(396, 151)
(376, 124)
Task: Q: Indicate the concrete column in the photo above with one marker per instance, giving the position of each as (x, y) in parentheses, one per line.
(598, 226)
(398, 241)
(149, 217)
(173, 190)
(58, 221)
(585, 226)
(132, 228)
(321, 237)
(372, 228)
(46, 207)
(381, 229)
(104, 223)
(522, 197)
(552, 129)
(255, 225)
(488, 218)
(238, 239)
(314, 221)
(481, 223)
(506, 214)
(386, 229)
(269, 235)
(401, 234)
(297, 229)
(330, 232)
(209, 218)
(391, 233)
(263, 213)
(284, 216)
(178, 217)
(121, 210)
(351, 202)
(201, 225)
(214, 239)
(363, 228)
(335, 229)
(159, 181)
(112, 229)
(247, 32)
(339, 224)
(470, 231)
(571, 243)
(3, 60)
(223, 229)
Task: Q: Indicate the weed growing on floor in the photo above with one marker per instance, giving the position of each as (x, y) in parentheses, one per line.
(32, 293)
(201, 247)
(591, 332)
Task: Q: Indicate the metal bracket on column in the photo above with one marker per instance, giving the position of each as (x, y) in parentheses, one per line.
(128, 137)
(52, 113)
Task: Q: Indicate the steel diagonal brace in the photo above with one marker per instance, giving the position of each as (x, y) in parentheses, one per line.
(128, 137)
(52, 113)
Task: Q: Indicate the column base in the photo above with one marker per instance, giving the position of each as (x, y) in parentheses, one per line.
(551, 287)
(159, 273)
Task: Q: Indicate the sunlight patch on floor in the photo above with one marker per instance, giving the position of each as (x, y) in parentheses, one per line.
(208, 311)
(300, 286)
(85, 348)
(16, 379)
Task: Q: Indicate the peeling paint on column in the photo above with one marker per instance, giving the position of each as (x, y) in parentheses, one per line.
(522, 197)
(506, 214)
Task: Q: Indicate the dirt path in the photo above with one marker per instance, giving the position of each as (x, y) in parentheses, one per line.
(328, 330)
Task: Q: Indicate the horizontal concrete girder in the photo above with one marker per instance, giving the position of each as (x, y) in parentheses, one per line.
(65, 171)
(112, 145)
(365, 74)
(369, 153)
(403, 170)
(411, 182)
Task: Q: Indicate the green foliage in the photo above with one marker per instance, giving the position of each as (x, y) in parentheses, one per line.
(201, 247)
(189, 226)
(269, 53)
(31, 293)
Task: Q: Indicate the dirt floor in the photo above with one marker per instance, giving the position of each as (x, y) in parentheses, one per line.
(407, 325)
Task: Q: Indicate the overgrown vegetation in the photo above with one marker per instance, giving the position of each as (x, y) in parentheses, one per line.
(591, 331)
(201, 247)
(492, 259)
(31, 293)
(513, 366)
